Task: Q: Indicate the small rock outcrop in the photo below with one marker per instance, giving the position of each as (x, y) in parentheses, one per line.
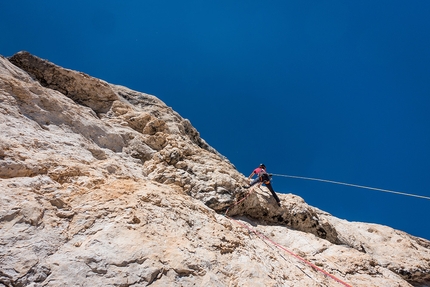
(101, 185)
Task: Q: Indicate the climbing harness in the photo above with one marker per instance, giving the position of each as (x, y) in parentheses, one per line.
(353, 185)
(265, 238)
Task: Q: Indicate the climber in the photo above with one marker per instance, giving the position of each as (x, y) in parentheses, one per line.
(263, 177)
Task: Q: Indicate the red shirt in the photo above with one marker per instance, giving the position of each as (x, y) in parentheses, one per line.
(258, 170)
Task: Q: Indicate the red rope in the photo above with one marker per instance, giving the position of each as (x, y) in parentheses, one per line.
(248, 194)
(264, 237)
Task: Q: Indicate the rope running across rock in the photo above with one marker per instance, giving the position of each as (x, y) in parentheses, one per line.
(267, 239)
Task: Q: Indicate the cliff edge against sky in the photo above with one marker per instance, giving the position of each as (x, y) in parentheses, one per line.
(104, 186)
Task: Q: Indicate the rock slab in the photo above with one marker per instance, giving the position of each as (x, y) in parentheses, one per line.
(104, 186)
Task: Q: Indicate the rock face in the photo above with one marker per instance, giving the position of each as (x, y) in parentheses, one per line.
(104, 186)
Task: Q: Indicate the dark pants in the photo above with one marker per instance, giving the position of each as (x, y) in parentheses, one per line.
(269, 186)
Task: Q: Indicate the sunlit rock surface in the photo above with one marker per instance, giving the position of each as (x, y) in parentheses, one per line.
(104, 186)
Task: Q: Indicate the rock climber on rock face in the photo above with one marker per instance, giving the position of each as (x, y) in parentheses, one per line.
(256, 172)
(263, 177)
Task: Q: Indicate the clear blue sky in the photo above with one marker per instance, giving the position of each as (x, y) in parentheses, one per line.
(338, 90)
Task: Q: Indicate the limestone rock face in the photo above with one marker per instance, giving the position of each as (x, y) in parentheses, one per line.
(104, 186)
(161, 144)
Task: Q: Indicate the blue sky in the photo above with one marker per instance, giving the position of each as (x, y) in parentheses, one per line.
(325, 89)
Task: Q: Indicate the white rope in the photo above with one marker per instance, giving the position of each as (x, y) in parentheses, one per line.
(353, 185)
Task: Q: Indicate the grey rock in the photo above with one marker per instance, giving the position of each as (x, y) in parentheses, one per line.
(104, 186)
